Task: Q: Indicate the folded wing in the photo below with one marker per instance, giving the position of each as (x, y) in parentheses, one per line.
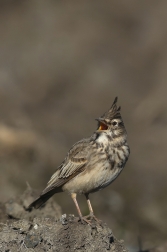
(74, 163)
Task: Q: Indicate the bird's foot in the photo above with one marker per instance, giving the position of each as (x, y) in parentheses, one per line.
(84, 220)
(91, 217)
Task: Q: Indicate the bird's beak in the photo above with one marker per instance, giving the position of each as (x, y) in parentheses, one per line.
(102, 124)
(100, 119)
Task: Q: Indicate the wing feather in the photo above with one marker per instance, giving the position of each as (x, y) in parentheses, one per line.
(73, 164)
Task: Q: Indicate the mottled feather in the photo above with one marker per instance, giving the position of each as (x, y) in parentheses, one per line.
(92, 163)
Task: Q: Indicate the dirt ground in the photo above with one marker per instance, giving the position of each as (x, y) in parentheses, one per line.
(47, 230)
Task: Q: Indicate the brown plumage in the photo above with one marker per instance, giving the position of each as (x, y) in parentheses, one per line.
(92, 163)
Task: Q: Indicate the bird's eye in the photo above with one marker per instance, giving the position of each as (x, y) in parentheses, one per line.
(114, 123)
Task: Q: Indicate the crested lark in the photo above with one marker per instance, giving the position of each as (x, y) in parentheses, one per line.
(92, 163)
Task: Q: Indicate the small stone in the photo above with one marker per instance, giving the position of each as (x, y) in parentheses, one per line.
(35, 226)
(31, 241)
(63, 219)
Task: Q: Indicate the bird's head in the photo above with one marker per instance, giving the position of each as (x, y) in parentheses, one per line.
(111, 122)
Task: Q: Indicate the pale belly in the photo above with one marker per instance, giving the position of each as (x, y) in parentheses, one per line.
(92, 180)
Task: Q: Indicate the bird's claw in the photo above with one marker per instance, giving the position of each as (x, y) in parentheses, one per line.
(84, 219)
(91, 216)
(88, 219)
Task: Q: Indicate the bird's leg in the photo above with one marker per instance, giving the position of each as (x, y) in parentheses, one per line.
(74, 195)
(91, 213)
(89, 205)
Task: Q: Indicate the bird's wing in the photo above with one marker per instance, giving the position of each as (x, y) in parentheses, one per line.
(74, 163)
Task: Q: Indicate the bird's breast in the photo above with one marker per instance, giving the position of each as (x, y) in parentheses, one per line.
(104, 164)
(117, 156)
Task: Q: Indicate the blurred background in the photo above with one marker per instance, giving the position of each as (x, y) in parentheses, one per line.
(61, 65)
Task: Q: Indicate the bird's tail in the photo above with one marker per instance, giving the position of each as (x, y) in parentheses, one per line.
(42, 199)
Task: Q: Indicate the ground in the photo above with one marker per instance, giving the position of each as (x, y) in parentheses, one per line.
(46, 229)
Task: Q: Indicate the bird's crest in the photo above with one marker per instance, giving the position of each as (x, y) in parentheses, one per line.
(113, 112)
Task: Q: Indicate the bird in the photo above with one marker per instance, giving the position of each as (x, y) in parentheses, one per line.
(92, 163)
